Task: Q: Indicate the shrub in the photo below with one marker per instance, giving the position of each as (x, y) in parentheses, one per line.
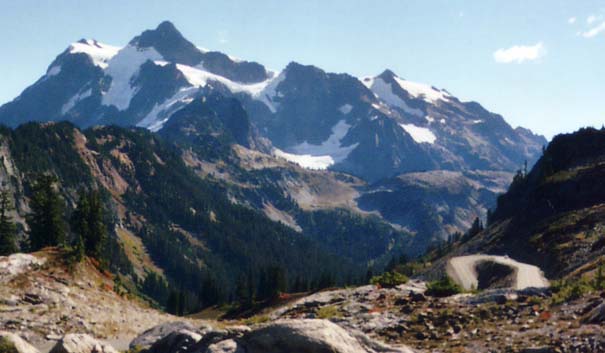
(443, 288)
(7, 346)
(389, 279)
(566, 291)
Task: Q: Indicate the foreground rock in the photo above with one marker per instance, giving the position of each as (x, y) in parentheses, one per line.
(81, 343)
(596, 315)
(42, 299)
(156, 333)
(282, 336)
(311, 335)
(20, 346)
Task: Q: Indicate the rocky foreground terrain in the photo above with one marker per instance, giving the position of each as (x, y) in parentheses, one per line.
(48, 305)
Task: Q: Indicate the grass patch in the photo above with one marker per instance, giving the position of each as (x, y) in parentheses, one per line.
(256, 319)
(7, 346)
(328, 312)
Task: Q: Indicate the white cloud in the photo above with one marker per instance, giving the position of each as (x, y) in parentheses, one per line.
(571, 20)
(520, 53)
(594, 31)
(591, 19)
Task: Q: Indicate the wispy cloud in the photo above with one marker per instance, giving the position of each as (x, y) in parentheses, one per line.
(594, 31)
(572, 20)
(520, 53)
(591, 19)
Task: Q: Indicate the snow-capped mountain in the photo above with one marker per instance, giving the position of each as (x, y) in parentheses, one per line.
(373, 127)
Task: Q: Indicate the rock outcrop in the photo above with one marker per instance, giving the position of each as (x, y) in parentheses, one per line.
(281, 336)
(81, 343)
(16, 343)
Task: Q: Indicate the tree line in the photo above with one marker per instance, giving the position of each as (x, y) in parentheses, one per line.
(86, 233)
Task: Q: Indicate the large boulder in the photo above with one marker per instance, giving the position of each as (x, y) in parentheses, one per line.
(226, 346)
(81, 343)
(10, 342)
(310, 336)
(156, 333)
(282, 336)
(175, 342)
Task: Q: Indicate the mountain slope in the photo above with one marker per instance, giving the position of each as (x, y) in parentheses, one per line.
(553, 216)
(373, 128)
(376, 129)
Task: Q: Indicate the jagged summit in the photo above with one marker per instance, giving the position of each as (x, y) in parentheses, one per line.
(170, 43)
(387, 73)
(374, 127)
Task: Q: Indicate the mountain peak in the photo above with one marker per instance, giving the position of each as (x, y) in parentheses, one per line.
(170, 43)
(167, 27)
(387, 73)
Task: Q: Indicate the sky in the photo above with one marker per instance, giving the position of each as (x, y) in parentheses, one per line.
(538, 63)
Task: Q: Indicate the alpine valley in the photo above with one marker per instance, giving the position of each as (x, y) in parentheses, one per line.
(238, 197)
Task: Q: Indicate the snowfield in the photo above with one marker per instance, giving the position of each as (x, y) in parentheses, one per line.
(123, 68)
(419, 134)
(99, 53)
(462, 270)
(384, 91)
(321, 156)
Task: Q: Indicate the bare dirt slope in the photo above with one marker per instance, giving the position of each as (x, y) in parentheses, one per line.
(42, 298)
(462, 270)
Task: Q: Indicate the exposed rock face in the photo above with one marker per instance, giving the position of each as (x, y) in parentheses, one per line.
(17, 342)
(156, 333)
(596, 315)
(16, 264)
(81, 343)
(281, 336)
(176, 342)
(310, 336)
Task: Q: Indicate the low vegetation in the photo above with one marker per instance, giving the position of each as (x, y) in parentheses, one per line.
(328, 312)
(443, 288)
(7, 346)
(389, 279)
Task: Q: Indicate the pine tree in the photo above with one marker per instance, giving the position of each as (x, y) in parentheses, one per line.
(46, 224)
(88, 223)
(173, 304)
(8, 244)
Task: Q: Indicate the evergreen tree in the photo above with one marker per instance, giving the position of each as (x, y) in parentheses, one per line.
(173, 304)
(46, 224)
(8, 244)
(88, 223)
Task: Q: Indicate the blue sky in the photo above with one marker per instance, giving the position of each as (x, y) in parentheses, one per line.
(551, 82)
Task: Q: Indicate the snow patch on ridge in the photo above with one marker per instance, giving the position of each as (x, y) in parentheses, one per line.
(74, 100)
(385, 92)
(264, 91)
(161, 112)
(123, 68)
(419, 134)
(422, 91)
(54, 71)
(198, 77)
(321, 156)
(346, 109)
(100, 53)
